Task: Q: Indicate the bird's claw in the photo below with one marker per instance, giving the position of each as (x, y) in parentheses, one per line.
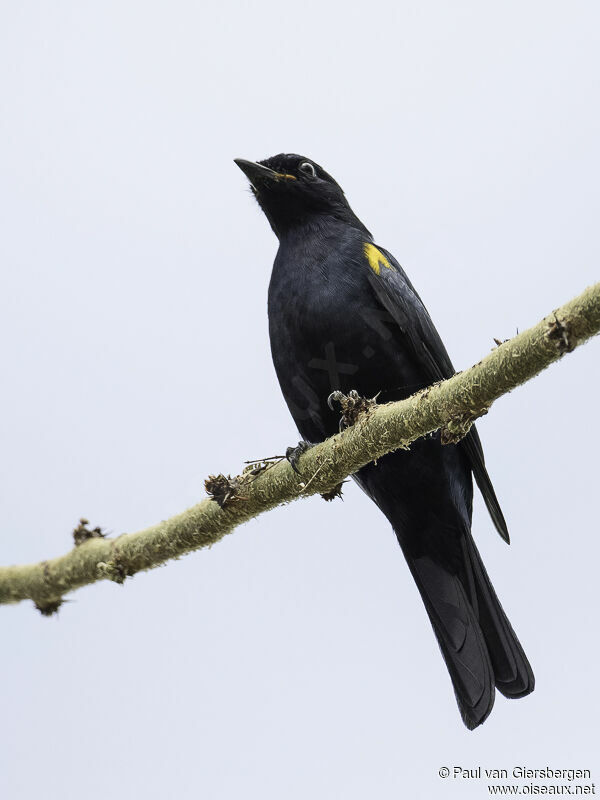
(293, 454)
(335, 397)
(352, 405)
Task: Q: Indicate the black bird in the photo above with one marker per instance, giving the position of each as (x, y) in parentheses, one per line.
(343, 315)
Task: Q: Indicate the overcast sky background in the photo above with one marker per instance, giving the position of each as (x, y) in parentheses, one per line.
(294, 659)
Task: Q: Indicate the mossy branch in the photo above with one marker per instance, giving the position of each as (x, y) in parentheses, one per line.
(451, 405)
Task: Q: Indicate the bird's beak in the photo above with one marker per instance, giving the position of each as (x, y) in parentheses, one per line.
(259, 175)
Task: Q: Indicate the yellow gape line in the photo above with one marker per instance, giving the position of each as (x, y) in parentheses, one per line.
(376, 258)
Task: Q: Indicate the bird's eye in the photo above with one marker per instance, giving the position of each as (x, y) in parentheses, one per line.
(307, 168)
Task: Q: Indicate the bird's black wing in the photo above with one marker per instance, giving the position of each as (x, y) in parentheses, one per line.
(399, 298)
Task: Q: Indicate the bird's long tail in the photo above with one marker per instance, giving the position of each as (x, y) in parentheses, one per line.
(477, 641)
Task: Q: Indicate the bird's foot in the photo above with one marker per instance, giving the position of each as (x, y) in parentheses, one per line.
(352, 405)
(293, 454)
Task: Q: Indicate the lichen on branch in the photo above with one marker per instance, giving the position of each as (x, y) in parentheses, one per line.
(372, 431)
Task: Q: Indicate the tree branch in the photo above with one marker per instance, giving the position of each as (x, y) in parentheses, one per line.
(451, 405)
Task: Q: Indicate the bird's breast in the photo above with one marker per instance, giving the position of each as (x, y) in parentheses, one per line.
(328, 332)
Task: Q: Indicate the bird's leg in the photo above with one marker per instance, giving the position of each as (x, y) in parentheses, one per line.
(293, 454)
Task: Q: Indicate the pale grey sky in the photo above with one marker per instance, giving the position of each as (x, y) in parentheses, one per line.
(133, 319)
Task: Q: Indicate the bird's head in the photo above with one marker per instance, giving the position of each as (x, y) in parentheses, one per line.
(293, 190)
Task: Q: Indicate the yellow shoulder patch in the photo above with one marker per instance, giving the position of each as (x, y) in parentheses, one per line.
(375, 258)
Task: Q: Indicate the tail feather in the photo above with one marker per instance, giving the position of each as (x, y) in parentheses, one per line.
(460, 638)
(478, 644)
(513, 674)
